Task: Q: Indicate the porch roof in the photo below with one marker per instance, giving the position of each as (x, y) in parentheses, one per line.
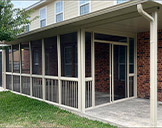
(122, 17)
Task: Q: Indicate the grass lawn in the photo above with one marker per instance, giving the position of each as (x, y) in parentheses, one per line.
(20, 111)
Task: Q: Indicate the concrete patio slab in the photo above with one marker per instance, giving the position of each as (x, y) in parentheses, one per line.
(130, 113)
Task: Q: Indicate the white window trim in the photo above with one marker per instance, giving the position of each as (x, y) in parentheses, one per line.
(59, 12)
(46, 15)
(79, 5)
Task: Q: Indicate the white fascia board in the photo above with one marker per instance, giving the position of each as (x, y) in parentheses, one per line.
(35, 5)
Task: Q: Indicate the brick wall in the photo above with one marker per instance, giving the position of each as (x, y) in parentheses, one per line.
(143, 65)
(102, 70)
(26, 61)
(102, 67)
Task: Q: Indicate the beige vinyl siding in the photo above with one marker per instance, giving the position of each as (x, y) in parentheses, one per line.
(36, 23)
(101, 4)
(70, 9)
(50, 13)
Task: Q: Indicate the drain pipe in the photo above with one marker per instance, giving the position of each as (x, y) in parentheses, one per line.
(153, 62)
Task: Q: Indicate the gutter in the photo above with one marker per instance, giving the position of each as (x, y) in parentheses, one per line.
(143, 13)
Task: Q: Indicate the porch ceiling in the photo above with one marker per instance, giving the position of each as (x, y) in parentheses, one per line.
(122, 17)
(133, 25)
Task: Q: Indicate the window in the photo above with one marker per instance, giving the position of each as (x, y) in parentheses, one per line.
(25, 58)
(8, 59)
(16, 83)
(51, 59)
(26, 29)
(37, 57)
(69, 55)
(121, 1)
(68, 60)
(88, 54)
(59, 11)
(84, 7)
(131, 55)
(114, 38)
(43, 17)
(122, 62)
(131, 86)
(16, 59)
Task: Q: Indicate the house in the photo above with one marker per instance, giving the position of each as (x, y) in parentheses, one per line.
(83, 54)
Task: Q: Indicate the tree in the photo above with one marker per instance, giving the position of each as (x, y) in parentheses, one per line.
(12, 21)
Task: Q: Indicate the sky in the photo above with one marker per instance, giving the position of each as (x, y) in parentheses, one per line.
(23, 3)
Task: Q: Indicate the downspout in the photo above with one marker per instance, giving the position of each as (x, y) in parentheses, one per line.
(153, 62)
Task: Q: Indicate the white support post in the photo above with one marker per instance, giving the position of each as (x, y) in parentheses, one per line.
(30, 49)
(82, 41)
(20, 67)
(43, 71)
(79, 73)
(127, 74)
(4, 69)
(153, 61)
(135, 67)
(153, 69)
(12, 66)
(110, 74)
(93, 68)
(59, 67)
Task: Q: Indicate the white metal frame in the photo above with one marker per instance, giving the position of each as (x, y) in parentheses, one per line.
(135, 67)
(20, 68)
(59, 67)
(81, 70)
(128, 68)
(92, 68)
(44, 77)
(82, 41)
(43, 71)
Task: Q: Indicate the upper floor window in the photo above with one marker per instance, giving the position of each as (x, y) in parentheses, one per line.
(26, 28)
(43, 17)
(121, 1)
(84, 7)
(59, 11)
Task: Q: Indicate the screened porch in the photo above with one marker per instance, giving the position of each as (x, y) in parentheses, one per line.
(51, 69)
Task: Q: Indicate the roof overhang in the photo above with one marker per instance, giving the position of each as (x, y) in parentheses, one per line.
(38, 4)
(120, 12)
